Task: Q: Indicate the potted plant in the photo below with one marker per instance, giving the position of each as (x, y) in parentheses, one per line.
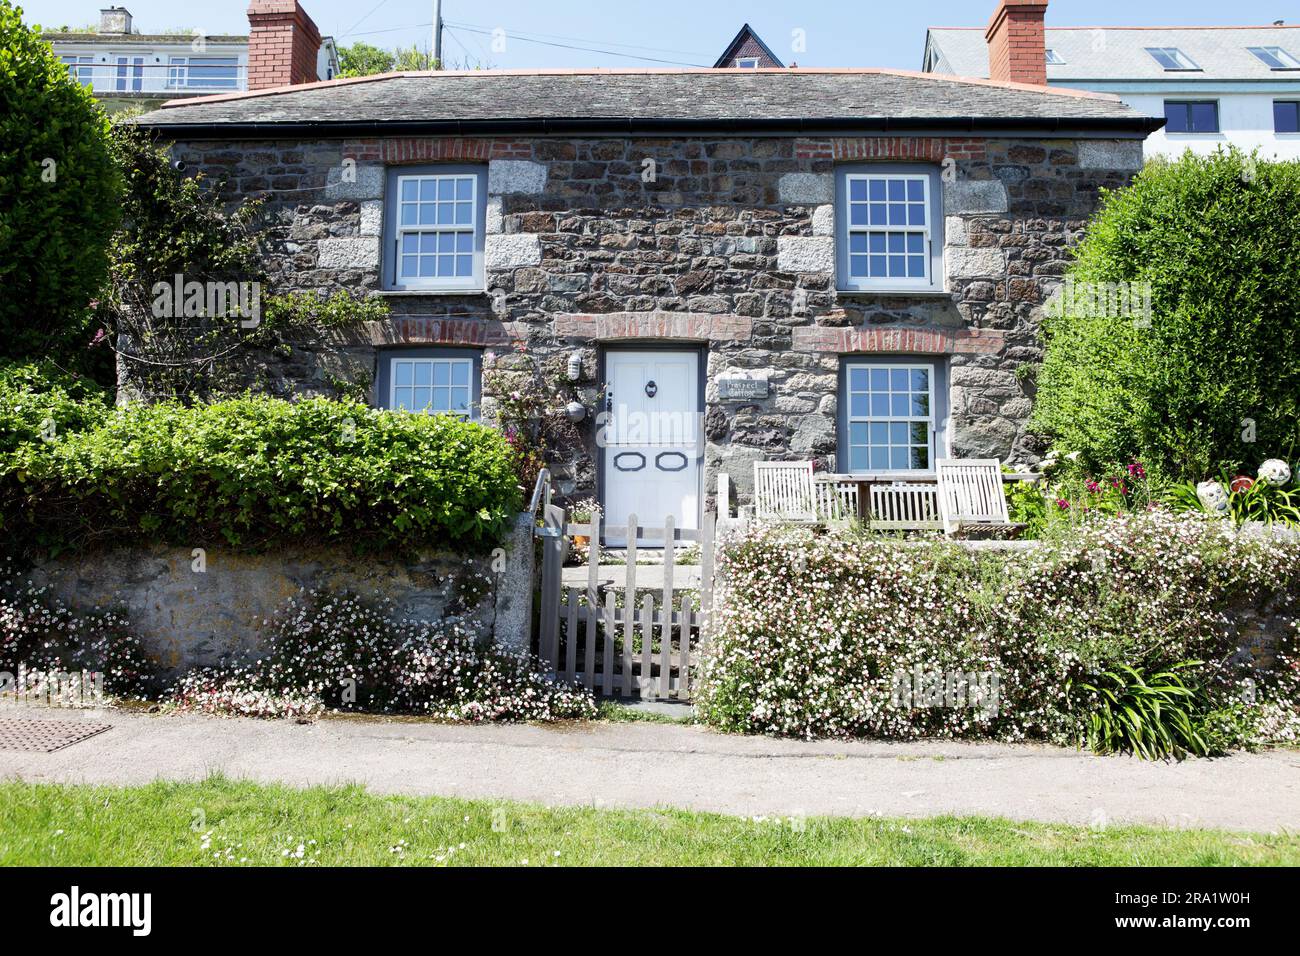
(583, 512)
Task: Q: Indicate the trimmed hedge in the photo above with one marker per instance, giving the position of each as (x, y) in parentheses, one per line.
(1213, 383)
(254, 473)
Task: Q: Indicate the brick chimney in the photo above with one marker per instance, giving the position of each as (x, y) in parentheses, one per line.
(283, 44)
(1017, 48)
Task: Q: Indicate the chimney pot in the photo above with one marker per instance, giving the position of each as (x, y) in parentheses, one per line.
(1017, 45)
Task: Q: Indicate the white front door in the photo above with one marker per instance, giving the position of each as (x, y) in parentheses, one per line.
(652, 439)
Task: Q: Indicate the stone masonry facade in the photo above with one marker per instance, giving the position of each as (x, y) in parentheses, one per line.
(729, 245)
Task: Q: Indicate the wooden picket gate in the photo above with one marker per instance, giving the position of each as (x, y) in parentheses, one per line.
(607, 642)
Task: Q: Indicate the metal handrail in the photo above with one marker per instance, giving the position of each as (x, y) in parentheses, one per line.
(543, 482)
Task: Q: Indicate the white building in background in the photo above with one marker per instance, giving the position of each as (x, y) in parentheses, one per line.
(125, 67)
(1213, 85)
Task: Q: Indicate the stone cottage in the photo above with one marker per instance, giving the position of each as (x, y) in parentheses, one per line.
(716, 267)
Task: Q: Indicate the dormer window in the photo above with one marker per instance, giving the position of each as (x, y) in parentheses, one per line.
(1275, 58)
(1054, 58)
(1172, 58)
(747, 62)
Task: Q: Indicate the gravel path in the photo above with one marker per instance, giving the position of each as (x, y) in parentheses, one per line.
(649, 765)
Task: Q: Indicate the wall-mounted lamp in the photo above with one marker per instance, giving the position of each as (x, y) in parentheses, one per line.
(575, 366)
(575, 411)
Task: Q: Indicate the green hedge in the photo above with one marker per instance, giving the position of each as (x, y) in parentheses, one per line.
(253, 473)
(1213, 383)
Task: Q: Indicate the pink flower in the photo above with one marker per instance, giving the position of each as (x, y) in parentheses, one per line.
(1094, 487)
(1136, 470)
(1062, 504)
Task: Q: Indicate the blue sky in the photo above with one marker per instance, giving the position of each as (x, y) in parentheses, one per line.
(684, 32)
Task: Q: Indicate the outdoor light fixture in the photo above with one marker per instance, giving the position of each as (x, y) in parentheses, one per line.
(575, 366)
(575, 411)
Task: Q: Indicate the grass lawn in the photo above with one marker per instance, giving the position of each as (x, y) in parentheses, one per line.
(222, 822)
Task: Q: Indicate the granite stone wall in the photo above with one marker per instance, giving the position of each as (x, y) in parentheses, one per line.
(724, 242)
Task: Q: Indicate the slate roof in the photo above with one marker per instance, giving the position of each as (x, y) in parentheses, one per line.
(627, 101)
(1119, 53)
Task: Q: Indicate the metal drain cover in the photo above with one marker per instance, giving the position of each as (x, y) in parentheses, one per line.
(45, 736)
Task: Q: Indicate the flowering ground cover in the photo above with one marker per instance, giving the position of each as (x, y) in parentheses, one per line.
(220, 822)
(846, 635)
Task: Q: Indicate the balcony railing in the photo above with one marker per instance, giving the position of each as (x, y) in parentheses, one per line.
(127, 75)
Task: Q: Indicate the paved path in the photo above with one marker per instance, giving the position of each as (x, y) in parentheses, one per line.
(686, 577)
(647, 765)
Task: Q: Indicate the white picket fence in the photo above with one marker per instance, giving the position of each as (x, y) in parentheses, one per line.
(624, 639)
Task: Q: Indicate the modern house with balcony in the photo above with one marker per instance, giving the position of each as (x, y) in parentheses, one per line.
(126, 68)
(1212, 85)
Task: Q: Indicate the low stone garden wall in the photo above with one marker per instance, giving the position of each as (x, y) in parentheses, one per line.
(201, 608)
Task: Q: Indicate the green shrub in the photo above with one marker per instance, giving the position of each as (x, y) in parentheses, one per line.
(1213, 379)
(256, 472)
(59, 196)
(842, 636)
(39, 402)
(1125, 710)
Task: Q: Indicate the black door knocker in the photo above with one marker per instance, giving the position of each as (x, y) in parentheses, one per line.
(651, 389)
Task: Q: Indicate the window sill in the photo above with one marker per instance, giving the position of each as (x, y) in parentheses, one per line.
(896, 293)
(401, 293)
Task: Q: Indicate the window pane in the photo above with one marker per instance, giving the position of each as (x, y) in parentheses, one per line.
(1176, 117)
(402, 373)
(421, 398)
(859, 405)
(1205, 117)
(879, 433)
(897, 214)
(410, 266)
(877, 190)
(1286, 117)
(857, 214)
(878, 267)
(460, 399)
(879, 458)
(879, 215)
(441, 401)
(857, 434)
(898, 458)
(460, 373)
(428, 189)
(428, 215)
(880, 379)
(879, 403)
(920, 379)
(877, 242)
(920, 433)
(898, 379)
(916, 190)
(423, 372)
(916, 214)
(898, 433)
(464, 188)
(410, 190)
(915, 267)
(427, 266)
(858, 379)
(899, 404)
(858, 242)
(446, 189)
(920, 403)
(858, 460)
(897, 190)
(858, 266)
(921, 458)
(897, 267)
(857, 190)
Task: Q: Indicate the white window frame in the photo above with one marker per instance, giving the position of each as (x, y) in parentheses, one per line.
(932, 420)
(1177, 55)
(852, 282)
(472, 281)
(125, 78)
(178, 72)
(1281, 54)
(1054, 57)
(76, 64)
(432, 363)
(748, 62)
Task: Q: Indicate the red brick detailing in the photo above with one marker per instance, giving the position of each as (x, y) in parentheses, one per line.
(435, 149)
(654, 325)
(1017, 43)
(431, 330)
(283, 44)
(817, 338)
(934, 149)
